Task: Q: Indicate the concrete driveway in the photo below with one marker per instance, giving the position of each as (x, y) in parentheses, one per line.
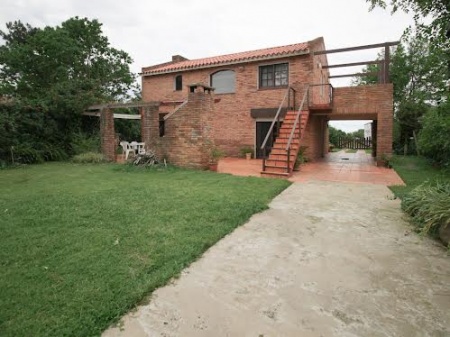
(327, 259)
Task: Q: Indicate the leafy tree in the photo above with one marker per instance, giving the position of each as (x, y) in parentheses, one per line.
(434, 140)
(335, 134)
(437, 32)
(437, 10)
(51, 75)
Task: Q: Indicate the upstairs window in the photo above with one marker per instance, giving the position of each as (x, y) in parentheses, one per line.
(274, 75)
(178, 83)
(223, 81)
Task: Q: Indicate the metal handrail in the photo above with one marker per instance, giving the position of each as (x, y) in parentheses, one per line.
(275, 119)
(288, 145)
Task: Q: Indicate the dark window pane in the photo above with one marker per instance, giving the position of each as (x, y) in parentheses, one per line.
(178, 83)
(273, 75)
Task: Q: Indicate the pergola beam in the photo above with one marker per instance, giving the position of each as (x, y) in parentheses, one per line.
(352, 64)
(355, 74)
(369, 46)
(116, 116)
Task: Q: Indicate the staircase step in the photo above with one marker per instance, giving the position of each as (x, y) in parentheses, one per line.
(282, 157)
(282, 147)
(276, 163)
(278, 151)
(276, 169)
(276, 174)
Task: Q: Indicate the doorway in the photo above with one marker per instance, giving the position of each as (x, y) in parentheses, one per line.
(261, 131)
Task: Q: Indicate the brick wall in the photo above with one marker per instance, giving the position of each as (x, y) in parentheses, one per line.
(188, 137)
(314, 139)
(372, 102)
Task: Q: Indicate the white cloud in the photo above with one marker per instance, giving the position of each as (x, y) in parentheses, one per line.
(151, 32)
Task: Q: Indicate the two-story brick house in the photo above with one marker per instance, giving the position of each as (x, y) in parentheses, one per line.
(229, 102)
(248, 89)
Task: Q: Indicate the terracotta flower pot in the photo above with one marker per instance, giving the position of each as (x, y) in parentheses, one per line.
(248, 156)
(120, 158)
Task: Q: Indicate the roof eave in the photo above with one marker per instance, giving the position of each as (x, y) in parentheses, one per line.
(251, 60)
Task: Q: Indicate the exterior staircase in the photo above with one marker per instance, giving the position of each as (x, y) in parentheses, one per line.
(277, 164)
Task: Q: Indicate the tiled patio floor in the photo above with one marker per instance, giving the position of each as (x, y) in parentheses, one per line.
(340, 166)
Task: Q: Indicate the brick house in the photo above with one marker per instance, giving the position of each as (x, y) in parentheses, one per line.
(230, 101)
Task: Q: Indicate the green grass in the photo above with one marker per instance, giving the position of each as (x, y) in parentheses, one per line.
(83, 244)
(350, 151)
(415, 171)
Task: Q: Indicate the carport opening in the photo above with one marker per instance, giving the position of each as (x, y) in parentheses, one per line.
(351, 136)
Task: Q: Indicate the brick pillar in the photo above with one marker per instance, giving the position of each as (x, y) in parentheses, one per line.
(150, 126)
(107, 133)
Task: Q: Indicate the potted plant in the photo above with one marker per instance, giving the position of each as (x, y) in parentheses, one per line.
(216, 154)
(301, 158)
(246, 152)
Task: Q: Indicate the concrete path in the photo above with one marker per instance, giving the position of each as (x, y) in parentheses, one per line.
(327, 259)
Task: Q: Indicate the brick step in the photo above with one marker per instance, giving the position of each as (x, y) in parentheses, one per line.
(276, 163)
(282, 148)
(276, 174)
(283, 156)
(279, 151)
(287, 134)
(276, 169)
(285, 141)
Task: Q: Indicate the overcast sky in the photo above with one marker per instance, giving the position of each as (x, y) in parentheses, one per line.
(152, 31)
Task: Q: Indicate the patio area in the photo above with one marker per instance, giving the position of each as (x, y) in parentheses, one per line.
(339, 166)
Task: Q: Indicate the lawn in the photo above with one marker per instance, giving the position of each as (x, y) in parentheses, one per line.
(83, 244)
(415, 171)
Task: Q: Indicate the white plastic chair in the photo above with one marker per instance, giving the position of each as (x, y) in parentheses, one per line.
(141, 148)
(127, 148)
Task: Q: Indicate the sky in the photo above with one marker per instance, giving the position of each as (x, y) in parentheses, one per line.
(152, 31)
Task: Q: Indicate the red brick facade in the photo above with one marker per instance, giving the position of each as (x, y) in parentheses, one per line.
(233, 125)
(226, 121)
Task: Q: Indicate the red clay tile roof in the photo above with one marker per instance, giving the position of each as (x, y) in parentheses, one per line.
(254, 55)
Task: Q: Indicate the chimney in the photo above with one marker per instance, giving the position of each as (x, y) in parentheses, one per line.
(178, 58)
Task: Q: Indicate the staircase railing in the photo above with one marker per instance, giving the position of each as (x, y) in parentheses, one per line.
(291, 136)
(276, 119)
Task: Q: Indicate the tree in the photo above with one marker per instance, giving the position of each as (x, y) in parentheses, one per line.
(419, 79)
(437, 10)
(434, 140)
(437, 32)
(335, 134)
(52, 74)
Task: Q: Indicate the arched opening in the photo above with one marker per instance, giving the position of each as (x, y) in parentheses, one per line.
(178, 83)
(223, 81)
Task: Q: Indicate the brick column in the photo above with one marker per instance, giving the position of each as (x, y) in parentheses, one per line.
(107, 133)
(150, 126)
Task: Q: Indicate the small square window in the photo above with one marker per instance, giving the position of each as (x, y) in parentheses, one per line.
(274, 75)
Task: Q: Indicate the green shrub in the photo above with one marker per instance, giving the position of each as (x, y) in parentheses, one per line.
(89, 158)
(244, 150)
(36, 153)
(434, 139)
(82, 143)
(429, 206)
